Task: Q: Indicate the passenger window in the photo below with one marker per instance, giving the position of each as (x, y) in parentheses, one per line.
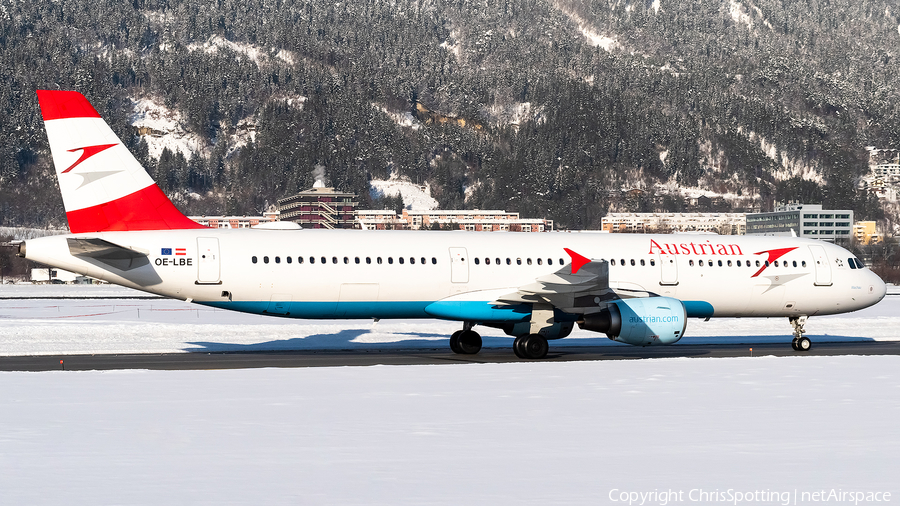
(334, 260)
(368, 260)
(776, 263)
(356, 260)
(253, 259)
(540, 261)
(803, 263)
(709, 263)
(738, 263)
(433, 261)
(265, 260)
(391, 260)
(690, 262)
(299, 260)
(720, 263)
(312, 260)
(528, 261)
(622, 262)
(400, 259)
(346, 260)
(549, 261)
(518, 261)
(508, 261)
(613, 261)
(496, 261)
(412, 260)
(700, 263)
(487, 261)
(561, 262)
(632, 262)
(423, 260)
(324, 261)
(477, 261)
(652, 262)
(643, 264)
(289, 260)
(378, 260)
(767, 263)
(729, 263)
(757, 263)
(277, 260)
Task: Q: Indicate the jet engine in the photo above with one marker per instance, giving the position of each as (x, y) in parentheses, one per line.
(640, 321)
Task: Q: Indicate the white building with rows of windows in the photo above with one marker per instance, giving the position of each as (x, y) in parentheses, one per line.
(719, 223)
(803, 220)
(454, 219)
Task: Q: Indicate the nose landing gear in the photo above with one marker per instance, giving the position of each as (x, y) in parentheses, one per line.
(800, 342)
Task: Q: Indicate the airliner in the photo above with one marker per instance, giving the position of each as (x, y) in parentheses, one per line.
(638, 289)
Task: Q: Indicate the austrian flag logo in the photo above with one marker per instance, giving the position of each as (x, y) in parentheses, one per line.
(168, 251)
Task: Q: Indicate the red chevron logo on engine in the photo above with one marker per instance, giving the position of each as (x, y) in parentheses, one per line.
(774, 254)
(87, 152)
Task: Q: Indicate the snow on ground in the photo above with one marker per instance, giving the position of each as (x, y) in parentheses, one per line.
(167, 129)
(256, 54)
(514, 114)
(83, 326)
(760, 430)
(403, 119)
(415, 197)
(23, 233)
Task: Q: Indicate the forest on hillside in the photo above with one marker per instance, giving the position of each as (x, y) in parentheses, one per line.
(567, 106)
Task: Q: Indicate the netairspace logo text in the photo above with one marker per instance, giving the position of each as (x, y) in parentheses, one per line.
(735, 497)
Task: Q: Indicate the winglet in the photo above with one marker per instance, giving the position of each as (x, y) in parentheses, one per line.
(578, 261)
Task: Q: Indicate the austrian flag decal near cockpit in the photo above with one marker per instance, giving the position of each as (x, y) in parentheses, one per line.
(87, 152)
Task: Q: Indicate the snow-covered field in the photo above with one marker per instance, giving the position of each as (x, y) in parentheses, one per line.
(764, 430)
(67, 325)
(770, 429)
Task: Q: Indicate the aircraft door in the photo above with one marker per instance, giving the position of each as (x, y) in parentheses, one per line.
(208, 260)
(668, 274)
(823, 268)
(459, 265)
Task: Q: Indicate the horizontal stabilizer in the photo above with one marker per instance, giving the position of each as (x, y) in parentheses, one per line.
(102, 249)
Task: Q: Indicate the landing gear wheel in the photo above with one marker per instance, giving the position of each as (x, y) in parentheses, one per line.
(454, 341)
(794, 344)
(519, 346)
(804, 344)
(468, 342)
(534, 346)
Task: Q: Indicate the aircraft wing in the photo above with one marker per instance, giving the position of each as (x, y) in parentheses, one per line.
(586, 290)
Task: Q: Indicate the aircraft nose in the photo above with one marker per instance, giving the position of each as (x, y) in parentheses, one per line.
(877, 287)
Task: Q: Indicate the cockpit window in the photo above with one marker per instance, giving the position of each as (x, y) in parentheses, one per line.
(859, 264)
(852, 262)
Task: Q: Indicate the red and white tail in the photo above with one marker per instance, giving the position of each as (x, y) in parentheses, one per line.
(103, 186)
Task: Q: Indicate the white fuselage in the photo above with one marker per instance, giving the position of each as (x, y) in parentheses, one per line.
(396, 274)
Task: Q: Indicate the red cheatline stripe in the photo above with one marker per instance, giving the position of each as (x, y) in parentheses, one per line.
(146, 209)
(57, 104)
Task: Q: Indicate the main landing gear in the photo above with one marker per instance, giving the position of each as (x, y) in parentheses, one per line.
(531, 346)
(466, 341)
(800, 342)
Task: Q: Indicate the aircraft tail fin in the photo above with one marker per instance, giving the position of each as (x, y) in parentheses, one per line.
(104, 188)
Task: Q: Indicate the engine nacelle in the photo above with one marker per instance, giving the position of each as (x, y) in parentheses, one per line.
(641, 321)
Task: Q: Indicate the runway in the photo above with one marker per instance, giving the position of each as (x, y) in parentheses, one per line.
(372, 356)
